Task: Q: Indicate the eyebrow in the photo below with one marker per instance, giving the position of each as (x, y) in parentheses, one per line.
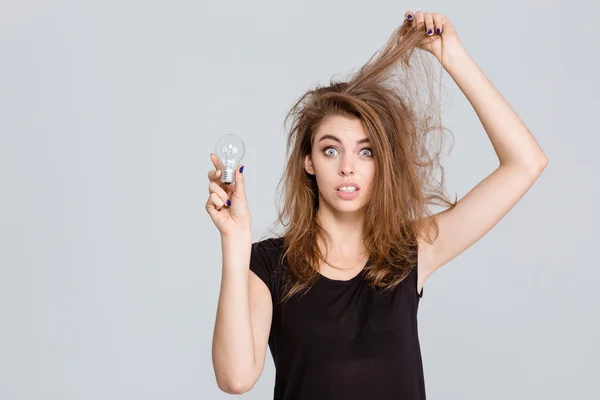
(365, 140)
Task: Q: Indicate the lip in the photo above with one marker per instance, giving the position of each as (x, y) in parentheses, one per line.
(347, 195)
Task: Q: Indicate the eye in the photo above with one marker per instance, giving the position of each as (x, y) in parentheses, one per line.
(329, 148)
(370, 152)
(367, 149)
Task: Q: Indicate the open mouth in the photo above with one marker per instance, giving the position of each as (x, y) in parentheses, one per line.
(347, 193)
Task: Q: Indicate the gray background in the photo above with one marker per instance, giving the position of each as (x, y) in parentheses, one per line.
(110, 266)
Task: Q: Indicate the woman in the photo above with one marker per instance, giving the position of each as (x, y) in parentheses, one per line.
(336, 296)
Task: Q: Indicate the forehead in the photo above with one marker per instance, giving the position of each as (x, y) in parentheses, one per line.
(345, 128)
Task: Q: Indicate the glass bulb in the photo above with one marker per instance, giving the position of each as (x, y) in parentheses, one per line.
(230, 150)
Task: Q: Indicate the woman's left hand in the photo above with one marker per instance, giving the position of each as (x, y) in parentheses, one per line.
(441, 35)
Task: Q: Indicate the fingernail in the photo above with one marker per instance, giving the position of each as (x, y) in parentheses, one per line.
(409, 16)
(429, 32)
(242, 169)
(228, 202)
(438, 30)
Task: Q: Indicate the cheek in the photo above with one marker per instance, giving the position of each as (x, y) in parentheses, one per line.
(321, 180)
(323, 174)
(369, 185)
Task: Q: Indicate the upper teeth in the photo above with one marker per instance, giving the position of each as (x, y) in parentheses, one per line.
(347, 188)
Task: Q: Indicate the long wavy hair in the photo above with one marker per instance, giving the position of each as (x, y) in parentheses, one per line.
(393, 96)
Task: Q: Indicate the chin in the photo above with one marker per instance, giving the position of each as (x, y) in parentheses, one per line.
(347, 205)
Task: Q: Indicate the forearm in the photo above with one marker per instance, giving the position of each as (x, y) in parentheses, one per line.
(233, 340)
(512, 141)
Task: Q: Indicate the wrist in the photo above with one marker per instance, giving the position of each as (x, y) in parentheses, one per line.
(237, 235)
(454, 52)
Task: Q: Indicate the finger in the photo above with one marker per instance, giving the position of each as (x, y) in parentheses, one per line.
(239, 191)
(437, 20)
(409, 15)
(216, 161)
(210, 207)
(214, 174)
(419, 18)
(216, 201)
(429, 25)
(214, 187)
(217, 172)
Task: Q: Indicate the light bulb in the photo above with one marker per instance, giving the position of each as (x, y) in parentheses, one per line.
(230, 150)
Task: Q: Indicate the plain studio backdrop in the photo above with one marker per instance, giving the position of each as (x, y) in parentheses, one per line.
(111, 267)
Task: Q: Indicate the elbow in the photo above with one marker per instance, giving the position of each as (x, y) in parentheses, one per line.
(542, 161)
(234, 377)
(235, 387)
(533, 168)
(231, 386)
(540, 165)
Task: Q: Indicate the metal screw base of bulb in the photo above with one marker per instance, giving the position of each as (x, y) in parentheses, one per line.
(227, 177)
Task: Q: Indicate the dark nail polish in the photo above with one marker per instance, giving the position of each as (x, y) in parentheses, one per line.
(438, 30)
(429, 32)
(409, 16)
(242, 169)
(228, 202)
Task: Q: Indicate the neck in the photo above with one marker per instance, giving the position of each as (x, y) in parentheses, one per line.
(346, 230)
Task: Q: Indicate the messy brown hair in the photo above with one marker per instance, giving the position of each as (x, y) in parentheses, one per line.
(393, 96)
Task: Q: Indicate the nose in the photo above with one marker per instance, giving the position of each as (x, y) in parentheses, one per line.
(347, 167)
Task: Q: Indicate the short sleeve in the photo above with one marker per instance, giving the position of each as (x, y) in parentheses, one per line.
(262, 262)
(416, 267)
(417, 284)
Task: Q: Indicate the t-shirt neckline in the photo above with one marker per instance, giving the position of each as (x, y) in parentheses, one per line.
(346, 281)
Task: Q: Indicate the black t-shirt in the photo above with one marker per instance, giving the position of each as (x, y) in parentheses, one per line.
(342, 340)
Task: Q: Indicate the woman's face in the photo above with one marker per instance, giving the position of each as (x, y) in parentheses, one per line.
(341, 156)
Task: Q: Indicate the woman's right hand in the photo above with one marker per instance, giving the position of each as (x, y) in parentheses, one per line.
(233, 218)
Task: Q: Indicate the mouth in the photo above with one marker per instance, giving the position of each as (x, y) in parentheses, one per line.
(347, 192)
(350, 189)
(347, 187)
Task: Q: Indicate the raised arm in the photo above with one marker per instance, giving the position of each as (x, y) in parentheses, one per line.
(243, 320)
(244, 310)
(521, 160)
